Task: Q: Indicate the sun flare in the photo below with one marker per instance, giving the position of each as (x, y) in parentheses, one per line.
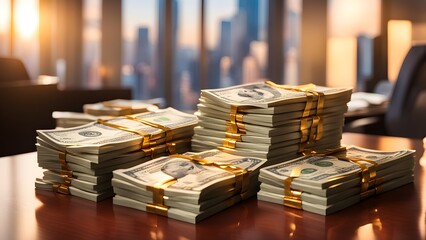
(26, 20)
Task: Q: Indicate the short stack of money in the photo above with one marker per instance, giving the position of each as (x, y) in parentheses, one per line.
(188, 187)
(80, 160)
(326, 183)
(270, 121)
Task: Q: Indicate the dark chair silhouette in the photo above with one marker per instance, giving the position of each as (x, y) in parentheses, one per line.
(406, 116)
(12, 69)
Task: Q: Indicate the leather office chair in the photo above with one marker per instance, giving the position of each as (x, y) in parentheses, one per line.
(12, 69)
(406, 116)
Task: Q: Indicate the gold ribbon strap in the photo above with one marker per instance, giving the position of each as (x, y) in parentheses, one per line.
(292, 198)
(65, 174)
(171, 147)
(371, 192)
(241, 175)
(158, 191)
(315, 131)
(320, 107)
(61, 188)
(151, 152)
(145, 136)
(229, 143)
(368, 174)
(233, 114)
(63, 161)
(157, 209)
(167, 130)
(157, 206)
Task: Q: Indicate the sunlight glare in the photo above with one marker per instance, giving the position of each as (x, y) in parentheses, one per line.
(26, 19)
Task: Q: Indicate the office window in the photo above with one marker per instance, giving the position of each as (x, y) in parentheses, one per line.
(92, 35)
(140, 34)
(236, 41)
(186, 45)
(235, 46)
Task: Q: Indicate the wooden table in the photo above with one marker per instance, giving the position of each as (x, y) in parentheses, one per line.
(27, 213)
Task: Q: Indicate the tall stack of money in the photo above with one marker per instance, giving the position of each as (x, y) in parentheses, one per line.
(188, 187)
(80, 160)
(329, 182)
(270, 121)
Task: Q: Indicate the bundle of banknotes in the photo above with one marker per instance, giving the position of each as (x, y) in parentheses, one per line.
(189, 187)
(270, 121)
(117, 107)
(328, 182)
(80, 160)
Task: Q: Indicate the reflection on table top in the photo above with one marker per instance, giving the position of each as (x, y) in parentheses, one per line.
(30, 214)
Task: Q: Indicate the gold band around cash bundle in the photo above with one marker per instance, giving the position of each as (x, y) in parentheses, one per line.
(61, 188)
(368, 174)
(146, 136)
(316, 129)
(157, 209)
(65, 174)
(167, 130)
(241, 175)
(292, 198)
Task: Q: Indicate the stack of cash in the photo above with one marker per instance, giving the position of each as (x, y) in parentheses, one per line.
(188, 187)
(80, 160)
(120, 107)
(270, 121)
(326, 183)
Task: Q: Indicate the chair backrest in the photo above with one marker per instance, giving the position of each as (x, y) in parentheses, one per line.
(12, 69)
(406, 116)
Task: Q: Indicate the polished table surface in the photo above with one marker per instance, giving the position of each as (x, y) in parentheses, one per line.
(27, 213)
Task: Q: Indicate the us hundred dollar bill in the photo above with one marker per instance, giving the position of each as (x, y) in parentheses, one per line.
(263, 95)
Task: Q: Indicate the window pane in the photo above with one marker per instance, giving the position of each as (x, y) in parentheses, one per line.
(92, 43)
(186, 86)
(236, 35)
(140, 29)
(292, 41)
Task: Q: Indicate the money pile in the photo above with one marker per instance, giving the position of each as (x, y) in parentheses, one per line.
(270, 121)
(326, 183)
(80, 160)
(188, 187)
(120, 107)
